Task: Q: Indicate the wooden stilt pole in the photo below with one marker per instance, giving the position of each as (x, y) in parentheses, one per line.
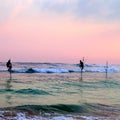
(81, 74)
(106, 69)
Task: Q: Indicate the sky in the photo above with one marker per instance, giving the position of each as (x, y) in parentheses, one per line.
(61, 31)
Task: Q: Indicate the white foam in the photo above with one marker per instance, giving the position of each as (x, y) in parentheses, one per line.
(43, 70)
(64, 68)
(22, 116)
(3, 70)
(62, 118)
(20, 70)
(89, 118)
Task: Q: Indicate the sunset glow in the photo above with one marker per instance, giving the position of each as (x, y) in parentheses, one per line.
(60, 31)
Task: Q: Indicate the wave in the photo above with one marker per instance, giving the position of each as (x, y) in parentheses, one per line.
(64, 70)
(59, 108)
(59, 68)
(85, 111)
(25, 91)
(66, 108)
(43, 70)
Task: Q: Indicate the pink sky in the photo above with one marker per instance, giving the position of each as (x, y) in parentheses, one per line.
(51, 37)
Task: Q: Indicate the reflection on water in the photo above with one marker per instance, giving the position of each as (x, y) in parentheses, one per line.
(8, 84)
(8, 99)
(8, 88)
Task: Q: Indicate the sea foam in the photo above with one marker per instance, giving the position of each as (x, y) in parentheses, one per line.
(23, 116)
(59, 68)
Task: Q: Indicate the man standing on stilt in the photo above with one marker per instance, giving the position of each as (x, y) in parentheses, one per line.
(9, 65)
(81, 65)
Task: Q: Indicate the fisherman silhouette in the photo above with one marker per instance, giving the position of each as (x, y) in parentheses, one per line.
(81, 65)
(9, 65)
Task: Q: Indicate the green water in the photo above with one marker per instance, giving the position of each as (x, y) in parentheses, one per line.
(66, 89)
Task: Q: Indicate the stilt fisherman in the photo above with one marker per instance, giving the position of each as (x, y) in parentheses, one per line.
(9, 65)
(81, 65)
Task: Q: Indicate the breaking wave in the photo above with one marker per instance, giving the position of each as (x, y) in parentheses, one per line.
(59, 68)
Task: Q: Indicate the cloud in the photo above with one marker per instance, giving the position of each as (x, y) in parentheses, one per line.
(5, 10)
(107, 10)
(98, 9)
(13, 8)
(93, 9)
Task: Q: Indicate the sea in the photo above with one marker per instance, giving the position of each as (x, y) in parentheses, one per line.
(59, 91)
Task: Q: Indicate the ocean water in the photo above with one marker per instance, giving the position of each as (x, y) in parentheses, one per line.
(56, 91)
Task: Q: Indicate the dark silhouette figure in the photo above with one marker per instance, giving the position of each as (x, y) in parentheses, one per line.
(81, 65)
(106, 69)
(9, 65)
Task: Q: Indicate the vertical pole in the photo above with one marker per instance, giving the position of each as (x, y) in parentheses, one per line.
(81, 74)
(10, 75)
(106, 69)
